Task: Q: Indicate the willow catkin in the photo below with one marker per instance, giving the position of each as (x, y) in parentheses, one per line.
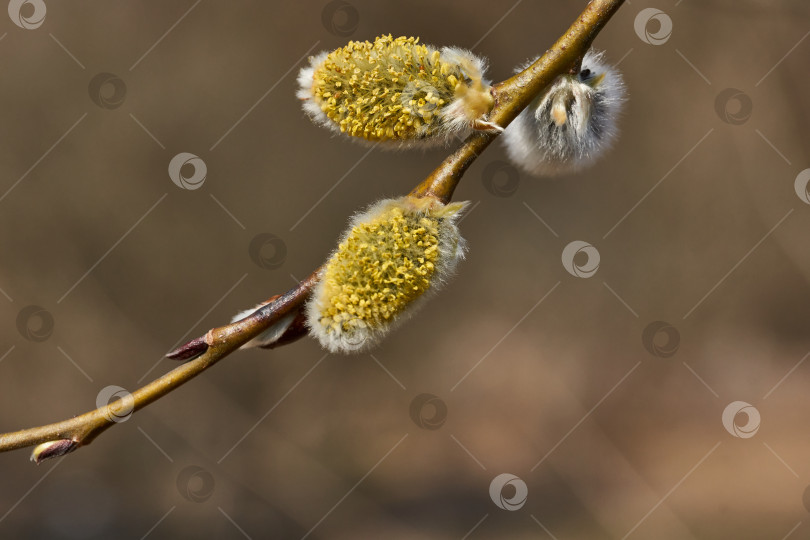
(571, 124)
(393, 255)
(397, 91)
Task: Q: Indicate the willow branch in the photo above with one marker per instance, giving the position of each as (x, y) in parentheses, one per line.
(511, 97)
(514, 94)
(207, 350)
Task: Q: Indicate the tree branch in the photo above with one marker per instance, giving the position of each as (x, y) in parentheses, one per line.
(511, 97)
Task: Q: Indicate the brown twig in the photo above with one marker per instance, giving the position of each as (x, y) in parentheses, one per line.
(511, 97)
(216, 344)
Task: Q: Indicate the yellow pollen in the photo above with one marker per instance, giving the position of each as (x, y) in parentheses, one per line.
(392, 89)
(381, 267)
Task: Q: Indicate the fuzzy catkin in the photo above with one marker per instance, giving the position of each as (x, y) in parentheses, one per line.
(393, 255)
(397, 91)
(571, 124)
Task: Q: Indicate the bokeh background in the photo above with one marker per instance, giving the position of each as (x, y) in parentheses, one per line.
(603, 396)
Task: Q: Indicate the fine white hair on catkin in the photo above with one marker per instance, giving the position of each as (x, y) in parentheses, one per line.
(304, 92)
(571, 123)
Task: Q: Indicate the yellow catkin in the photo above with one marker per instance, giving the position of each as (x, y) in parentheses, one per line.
(395, 89)
(391, 256)
(380, 268)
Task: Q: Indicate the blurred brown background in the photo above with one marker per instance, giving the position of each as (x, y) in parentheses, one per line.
(615, 432)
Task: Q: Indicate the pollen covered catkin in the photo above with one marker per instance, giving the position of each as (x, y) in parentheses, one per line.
(397, 91)
(569, 125)
(392, 257)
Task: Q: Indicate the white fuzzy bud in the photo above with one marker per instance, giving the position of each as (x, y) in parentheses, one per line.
(570, 124)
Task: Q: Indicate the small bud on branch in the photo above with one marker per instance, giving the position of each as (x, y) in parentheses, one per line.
(190, 350)
(52, 449)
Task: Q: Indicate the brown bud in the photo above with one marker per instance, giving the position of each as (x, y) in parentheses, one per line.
(52, 449)
(190, 350)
